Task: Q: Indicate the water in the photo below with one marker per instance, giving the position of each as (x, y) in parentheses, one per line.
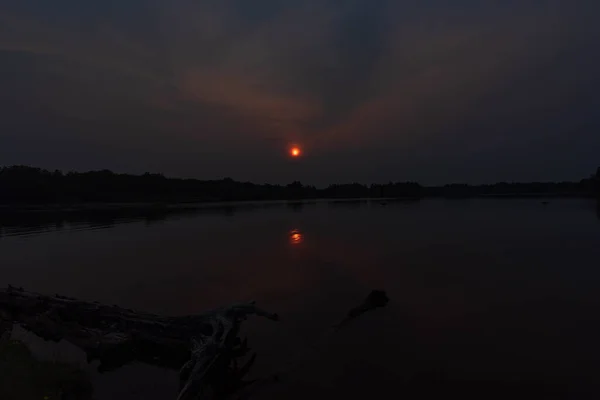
(499, 296)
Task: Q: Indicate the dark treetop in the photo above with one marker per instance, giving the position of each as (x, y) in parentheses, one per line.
(22, 185)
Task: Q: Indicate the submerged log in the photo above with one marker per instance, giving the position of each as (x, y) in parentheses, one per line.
(205, 348)
(207, 345)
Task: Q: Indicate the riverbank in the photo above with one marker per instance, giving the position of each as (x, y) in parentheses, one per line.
(178, 206)
(28, 188)
(99, 207)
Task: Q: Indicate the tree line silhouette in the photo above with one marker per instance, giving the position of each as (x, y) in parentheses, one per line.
(22, 185)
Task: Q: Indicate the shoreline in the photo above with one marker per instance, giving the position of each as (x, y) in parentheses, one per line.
(198, 205)
(176, 206)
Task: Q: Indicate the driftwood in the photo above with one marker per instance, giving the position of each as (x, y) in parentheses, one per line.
(205, 348)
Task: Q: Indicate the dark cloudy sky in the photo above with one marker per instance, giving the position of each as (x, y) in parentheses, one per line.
(428, 90)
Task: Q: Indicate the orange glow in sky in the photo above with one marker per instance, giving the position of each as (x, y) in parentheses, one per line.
(295, 151)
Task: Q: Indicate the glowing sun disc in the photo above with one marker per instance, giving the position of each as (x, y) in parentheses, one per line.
(295, 151)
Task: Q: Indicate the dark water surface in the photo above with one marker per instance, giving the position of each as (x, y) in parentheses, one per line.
(495, 296)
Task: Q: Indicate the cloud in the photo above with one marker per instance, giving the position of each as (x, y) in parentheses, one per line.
(427, 80)
(388, 78)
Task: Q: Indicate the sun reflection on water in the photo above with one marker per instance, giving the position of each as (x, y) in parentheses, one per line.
(296, 237)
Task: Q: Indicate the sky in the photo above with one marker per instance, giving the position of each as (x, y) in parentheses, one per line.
(433, 91)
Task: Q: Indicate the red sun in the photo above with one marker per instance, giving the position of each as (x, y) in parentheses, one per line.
(295, 151)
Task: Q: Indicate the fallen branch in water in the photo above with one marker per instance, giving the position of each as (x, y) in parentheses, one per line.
(375, 299)
(206, 345)
(205, 348)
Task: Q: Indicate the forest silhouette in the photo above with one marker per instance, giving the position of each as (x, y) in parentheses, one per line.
(24, 185)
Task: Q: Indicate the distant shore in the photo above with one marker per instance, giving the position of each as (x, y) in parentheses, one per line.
(28, 189)
(100, 207)
(194, 205)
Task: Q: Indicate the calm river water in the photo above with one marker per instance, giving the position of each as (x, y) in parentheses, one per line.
(488, 296)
